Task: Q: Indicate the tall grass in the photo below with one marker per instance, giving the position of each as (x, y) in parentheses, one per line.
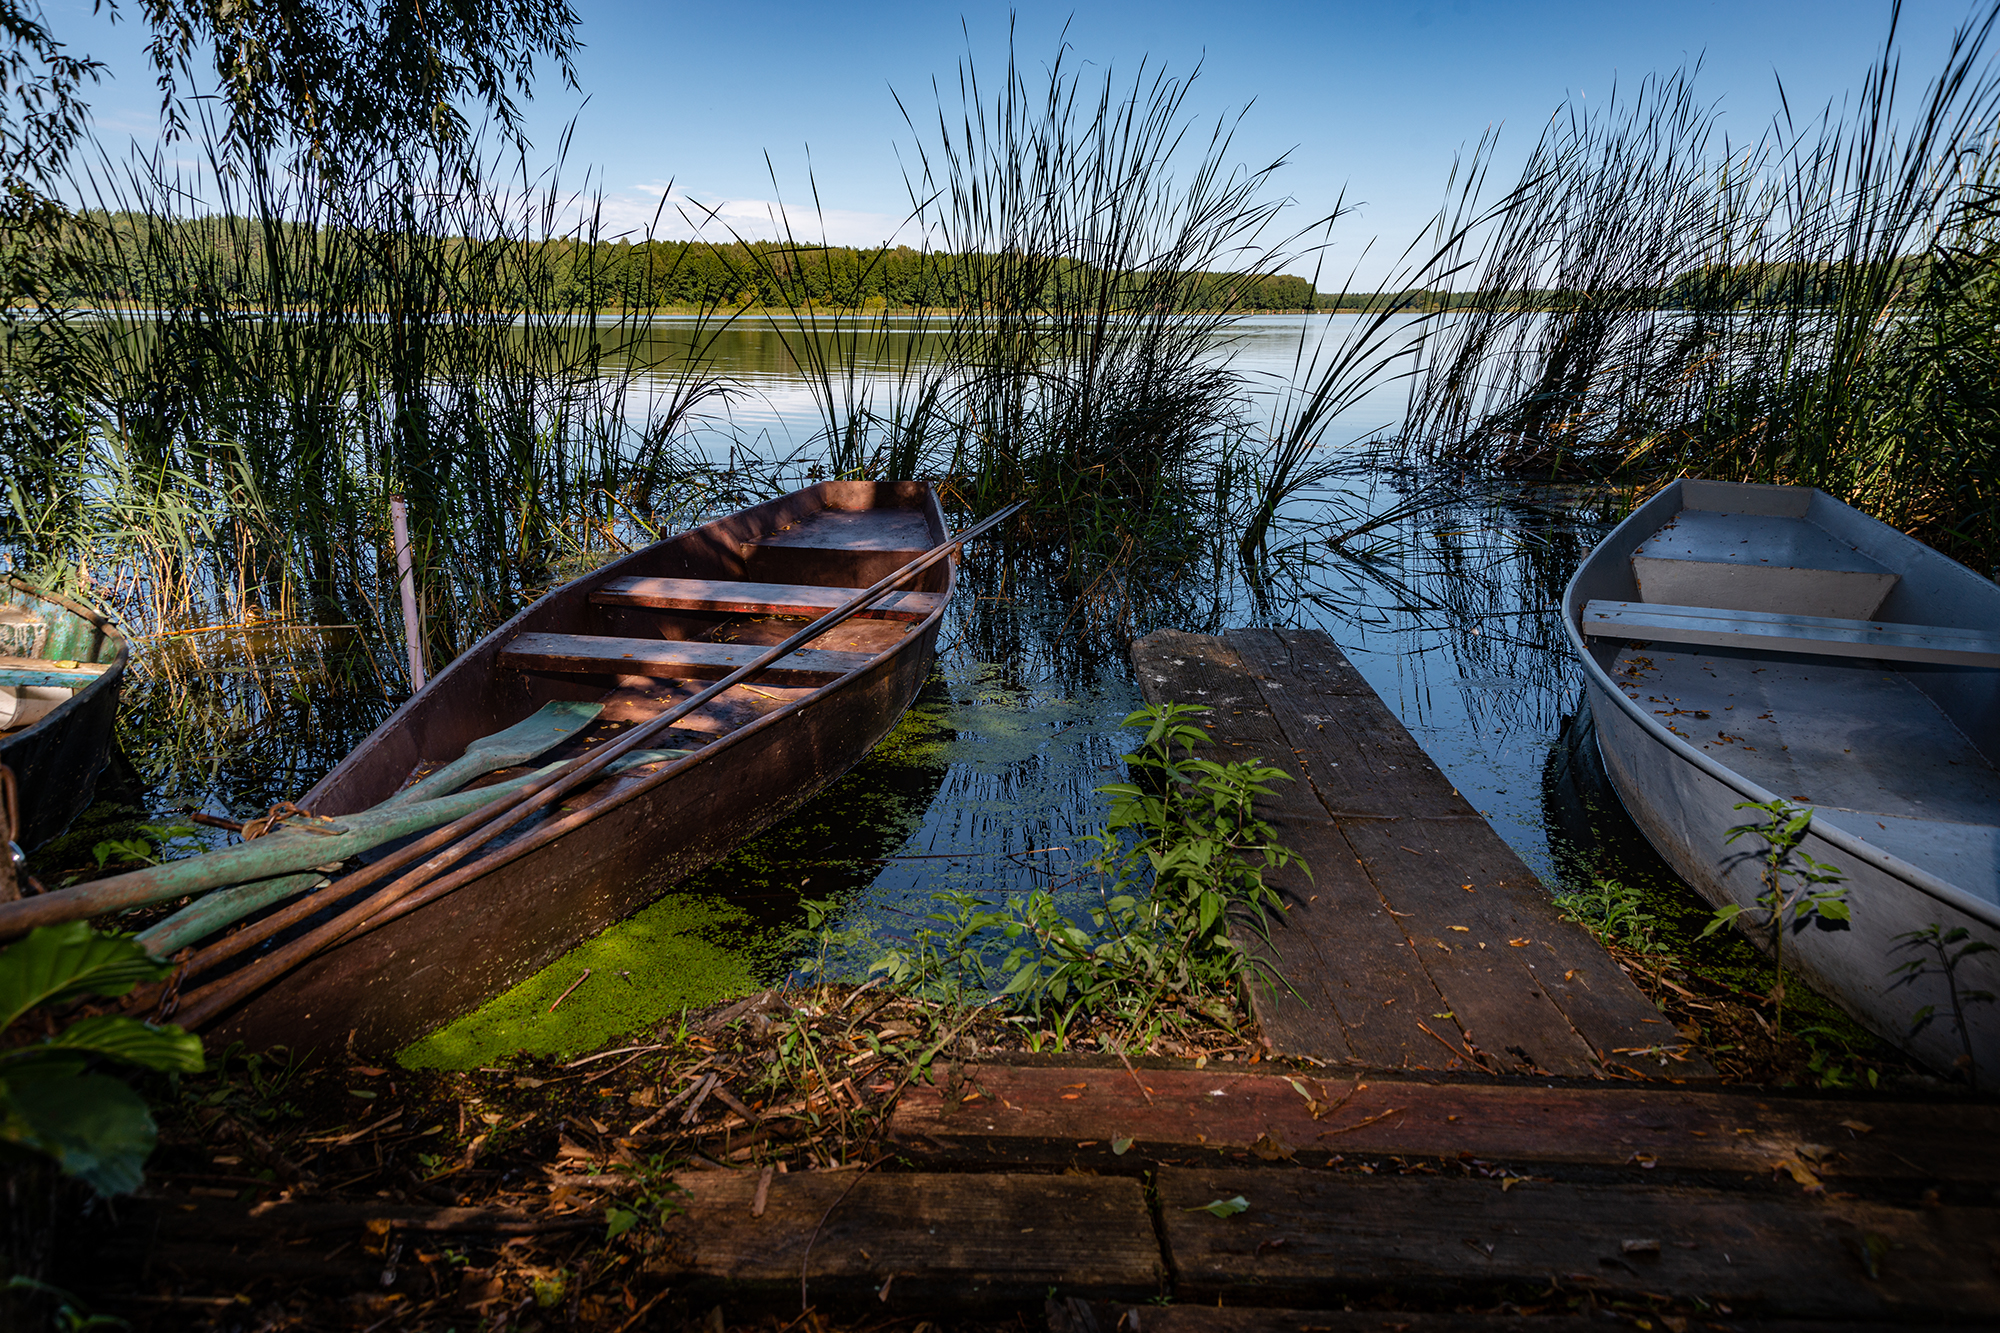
(1074, 226)
(209, 423)
(1814, 307)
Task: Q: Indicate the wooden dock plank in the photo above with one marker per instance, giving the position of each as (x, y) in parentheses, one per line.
(1557, 1004)
(1043, 1116)
(913, 1241)
(1318, 1236)
(1359, 999)
(1116, 1317)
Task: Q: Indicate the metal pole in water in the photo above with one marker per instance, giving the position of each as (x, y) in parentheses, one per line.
(413, 636)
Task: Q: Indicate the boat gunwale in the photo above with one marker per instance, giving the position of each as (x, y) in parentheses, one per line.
(1924, 881)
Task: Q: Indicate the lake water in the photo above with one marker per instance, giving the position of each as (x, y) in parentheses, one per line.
(989, 785)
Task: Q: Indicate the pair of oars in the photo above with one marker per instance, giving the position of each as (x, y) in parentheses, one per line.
(447, 846)
(259, 869)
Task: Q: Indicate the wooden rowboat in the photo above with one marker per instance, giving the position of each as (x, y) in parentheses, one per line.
(1745, 643)
(634, 637)
(61, 665)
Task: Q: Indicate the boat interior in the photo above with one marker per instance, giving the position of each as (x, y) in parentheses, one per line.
(47, 655)
(1823, 657)
(656, 627)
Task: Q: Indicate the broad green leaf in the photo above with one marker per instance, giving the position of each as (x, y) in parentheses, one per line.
(1121, 1146)
(61, 962)
(618, 1221)
(95, 1127)
(138, 1043)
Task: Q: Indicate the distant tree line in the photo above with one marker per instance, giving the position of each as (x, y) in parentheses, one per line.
(149, 260)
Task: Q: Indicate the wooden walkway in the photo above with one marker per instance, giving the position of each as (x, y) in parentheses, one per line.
(1421, 941)
(1104, 1197)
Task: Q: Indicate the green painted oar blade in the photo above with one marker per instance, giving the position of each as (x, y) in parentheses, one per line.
(226, 906)
(547, 728)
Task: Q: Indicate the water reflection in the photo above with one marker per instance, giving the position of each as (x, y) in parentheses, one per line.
(1448, 611)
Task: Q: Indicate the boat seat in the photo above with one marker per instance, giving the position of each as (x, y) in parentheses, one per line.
(1826, 635)
(770, 599)
(1780, 563)
(672, 659)
(19, 671)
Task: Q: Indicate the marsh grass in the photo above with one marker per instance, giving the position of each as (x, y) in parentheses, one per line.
(1814, 307)
(208, 423)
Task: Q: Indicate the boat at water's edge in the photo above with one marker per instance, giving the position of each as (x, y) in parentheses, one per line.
(61, 667)
(634, 636)
(1746, 643)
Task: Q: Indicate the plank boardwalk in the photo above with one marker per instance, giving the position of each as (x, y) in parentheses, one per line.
(1421, 941)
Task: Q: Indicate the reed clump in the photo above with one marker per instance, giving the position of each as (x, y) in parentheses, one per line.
(239, 364)
(1814, 307)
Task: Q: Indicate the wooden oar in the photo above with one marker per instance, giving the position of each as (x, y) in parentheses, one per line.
(449, 845)
(293, 847)
(224, 907)
(537, 734)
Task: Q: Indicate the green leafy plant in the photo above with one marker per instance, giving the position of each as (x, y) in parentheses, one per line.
(1794, 889)
(1182, 857)
(150, 845)
(1614, 912)
(1947, 949)
(52, 1099)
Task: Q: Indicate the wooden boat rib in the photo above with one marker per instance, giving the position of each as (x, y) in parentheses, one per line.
(1749, 643)
(61, 667)
(633, 639)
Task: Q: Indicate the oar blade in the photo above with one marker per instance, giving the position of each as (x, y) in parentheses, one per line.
(536, 734)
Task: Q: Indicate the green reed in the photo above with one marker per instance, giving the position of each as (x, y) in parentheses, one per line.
(241, 363)
(1814, 307)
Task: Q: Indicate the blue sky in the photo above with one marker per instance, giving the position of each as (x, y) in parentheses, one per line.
(1372, 99)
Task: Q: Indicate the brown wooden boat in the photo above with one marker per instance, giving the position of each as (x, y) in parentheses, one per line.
(637, 636)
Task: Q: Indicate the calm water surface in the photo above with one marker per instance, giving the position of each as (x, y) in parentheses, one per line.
(989, 784)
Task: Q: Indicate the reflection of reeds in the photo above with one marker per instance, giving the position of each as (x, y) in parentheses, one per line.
(1816, 307)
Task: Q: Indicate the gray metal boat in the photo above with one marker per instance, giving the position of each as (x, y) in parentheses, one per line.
(1745, 643)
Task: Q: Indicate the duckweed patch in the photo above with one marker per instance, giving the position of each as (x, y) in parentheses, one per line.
(682, 952)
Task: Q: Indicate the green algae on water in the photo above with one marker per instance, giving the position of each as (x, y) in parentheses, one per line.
(683, 952)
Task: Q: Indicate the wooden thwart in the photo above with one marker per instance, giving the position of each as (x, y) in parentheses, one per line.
(1311, 1236)
(672, 659)
(1825, 635)
(19, 671)
(770, 599)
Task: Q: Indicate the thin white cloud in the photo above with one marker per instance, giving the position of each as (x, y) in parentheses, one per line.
(670, 214)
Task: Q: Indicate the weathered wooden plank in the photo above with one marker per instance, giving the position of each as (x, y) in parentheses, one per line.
(914, 1241)
(1357, 997)
(1117, 1317)
(1826, 635)
(1044, 1116)
(678, 659)
(1363, 761)
(1470, 944)
(16, 672)
(1319, 1236)
(1422, 843)
(770, 599)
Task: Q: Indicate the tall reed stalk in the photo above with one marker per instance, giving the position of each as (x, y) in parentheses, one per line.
(1814, 307)
(208, 422)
